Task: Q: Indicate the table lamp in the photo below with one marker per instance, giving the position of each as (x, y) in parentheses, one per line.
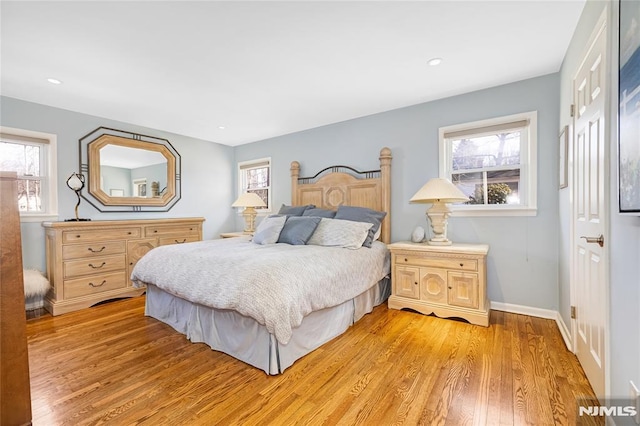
(76, 183)
(439, 192)
(249, 200)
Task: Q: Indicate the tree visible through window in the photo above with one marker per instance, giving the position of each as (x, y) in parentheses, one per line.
(26, 159)
(487, 168)
(255, 176)
(492, 162)
(32, 155)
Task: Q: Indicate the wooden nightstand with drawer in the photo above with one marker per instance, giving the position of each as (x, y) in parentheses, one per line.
(448, 281)
(90, 262)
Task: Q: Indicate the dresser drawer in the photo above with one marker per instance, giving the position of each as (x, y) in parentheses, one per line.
(98, 265)
(94, 284)
(438, 262)
(100, 234)
(75, 251)
(180, 230)
(177, 240)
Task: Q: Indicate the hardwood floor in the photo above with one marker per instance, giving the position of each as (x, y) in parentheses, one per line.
(112, 365)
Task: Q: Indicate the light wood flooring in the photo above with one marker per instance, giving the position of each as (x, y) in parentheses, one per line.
(112, 365)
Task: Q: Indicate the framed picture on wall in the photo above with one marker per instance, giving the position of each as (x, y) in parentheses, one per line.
(629, 107)
(562, 163)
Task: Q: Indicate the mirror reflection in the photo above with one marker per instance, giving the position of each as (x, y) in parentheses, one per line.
(129, 171)
(132, 172)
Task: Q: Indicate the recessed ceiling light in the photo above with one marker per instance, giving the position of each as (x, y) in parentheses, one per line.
(54, 81)
(221, 127)
(435, 61)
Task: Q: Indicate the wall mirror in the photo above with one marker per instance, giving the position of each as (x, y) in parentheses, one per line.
(129, 172)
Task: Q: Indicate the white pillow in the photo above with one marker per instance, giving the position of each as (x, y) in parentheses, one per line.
(376, 236)
(340, 233)
(269, 229)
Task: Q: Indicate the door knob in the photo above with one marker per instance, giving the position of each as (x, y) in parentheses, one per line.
(595, 240)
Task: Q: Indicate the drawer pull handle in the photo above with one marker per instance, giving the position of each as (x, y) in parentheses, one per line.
(155, 230)
(77, 236)
(416, 283)
(180, 242)
(129, 233)
(461, 265)
(406, 260)
(97, 267)
(96, 251)
(99, 285)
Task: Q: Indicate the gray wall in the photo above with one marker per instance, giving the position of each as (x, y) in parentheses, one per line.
(624, 231)
(115, 178)
(207, 172)
(523, 258)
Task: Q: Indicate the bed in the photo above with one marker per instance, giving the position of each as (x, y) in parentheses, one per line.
(308, 294)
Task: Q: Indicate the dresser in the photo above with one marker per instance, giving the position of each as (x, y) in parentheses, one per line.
(448, 281)
(90, 262)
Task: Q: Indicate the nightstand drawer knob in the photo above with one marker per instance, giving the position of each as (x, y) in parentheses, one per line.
(406, 260)
(461, 265)
(98, 285)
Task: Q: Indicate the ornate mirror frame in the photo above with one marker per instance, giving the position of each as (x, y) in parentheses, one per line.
(90, 166)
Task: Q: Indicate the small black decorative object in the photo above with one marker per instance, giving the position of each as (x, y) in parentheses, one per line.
(76, 183)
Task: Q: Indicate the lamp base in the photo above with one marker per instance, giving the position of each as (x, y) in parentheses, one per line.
(439, 243)
(438, 215)
(77, 220)
(249, 214)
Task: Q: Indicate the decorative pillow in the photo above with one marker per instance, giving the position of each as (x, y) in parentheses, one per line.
(269, 229)
(340, 233)
(362, 214)
(297, 230)
(294, 210)
(319, 212)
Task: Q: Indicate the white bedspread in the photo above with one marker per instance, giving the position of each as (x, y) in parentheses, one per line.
(276, 284)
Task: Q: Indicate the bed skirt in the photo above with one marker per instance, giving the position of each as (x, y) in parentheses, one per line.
(245, 339)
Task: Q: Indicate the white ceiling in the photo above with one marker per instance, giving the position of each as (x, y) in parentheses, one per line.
(263, 69)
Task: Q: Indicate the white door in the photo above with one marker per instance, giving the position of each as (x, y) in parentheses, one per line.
(589, 213)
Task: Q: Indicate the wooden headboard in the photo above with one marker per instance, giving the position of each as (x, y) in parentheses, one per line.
(343, 185)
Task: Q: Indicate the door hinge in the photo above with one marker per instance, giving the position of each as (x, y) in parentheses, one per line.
(572, 110)
(573, 312)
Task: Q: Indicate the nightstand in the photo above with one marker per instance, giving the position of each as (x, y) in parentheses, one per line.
(233, 234)
(448, 281)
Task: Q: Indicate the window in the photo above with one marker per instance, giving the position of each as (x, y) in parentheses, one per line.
(255, 176)
(33, 156)
(493, 162)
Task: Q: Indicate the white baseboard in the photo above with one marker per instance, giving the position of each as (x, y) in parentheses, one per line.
(524, 310)
(540, 313)
(564, 331)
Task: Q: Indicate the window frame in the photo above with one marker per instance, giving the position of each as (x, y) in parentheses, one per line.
(528, 164)
(49, 170)
(255, 164)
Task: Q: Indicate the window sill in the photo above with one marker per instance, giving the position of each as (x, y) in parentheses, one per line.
(466, 211)
(32, 218)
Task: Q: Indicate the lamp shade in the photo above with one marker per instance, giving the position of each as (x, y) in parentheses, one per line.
(76, 181)
(249, 199)
(439, 190)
